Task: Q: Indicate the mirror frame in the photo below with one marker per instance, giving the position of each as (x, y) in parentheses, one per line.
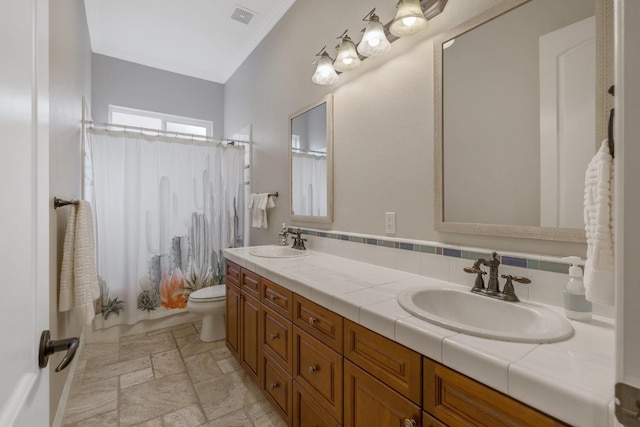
(328, 100)
(604, 78)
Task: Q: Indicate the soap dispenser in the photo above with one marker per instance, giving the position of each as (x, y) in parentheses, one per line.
(576, 306)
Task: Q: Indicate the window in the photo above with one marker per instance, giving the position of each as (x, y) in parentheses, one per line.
(153, 120)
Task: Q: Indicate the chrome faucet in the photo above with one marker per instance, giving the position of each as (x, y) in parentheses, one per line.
(298, 241)
(493, 287)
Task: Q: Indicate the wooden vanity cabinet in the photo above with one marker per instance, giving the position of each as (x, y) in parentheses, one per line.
(457, 400)
(321, 370)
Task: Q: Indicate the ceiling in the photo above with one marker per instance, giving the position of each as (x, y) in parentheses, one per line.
(196, 38)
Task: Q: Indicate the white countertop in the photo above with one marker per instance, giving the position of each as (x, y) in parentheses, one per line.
(572, 380)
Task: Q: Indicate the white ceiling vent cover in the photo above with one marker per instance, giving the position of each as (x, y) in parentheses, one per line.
(242, 14)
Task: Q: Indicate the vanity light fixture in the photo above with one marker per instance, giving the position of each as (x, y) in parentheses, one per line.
(374, 41)
(325, 73)
(347, 57)
(409, 20)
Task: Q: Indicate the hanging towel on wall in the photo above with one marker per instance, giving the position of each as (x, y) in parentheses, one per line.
(259, 203)
(79, 286)
(598, 220)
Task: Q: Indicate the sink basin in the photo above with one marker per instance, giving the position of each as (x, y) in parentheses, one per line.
(486, 317)
(277, 252)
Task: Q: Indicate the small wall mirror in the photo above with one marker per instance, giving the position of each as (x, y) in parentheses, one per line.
(517, 93)
(311, 162)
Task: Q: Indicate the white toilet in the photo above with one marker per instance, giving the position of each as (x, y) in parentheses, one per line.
(209, 303)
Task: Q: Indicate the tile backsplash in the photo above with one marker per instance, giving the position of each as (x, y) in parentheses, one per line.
(548, 274)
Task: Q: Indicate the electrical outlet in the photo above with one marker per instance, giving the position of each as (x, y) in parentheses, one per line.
(390, 222)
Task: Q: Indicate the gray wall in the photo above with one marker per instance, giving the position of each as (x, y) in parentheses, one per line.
(70, 79)
(132, 85)
(383, 123)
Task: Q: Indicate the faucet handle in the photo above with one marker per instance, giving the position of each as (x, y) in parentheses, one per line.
(478, 285)
(508, 291)
(473, 270)
(518, 279)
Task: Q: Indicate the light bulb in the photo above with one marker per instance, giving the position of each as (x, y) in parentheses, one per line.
(347, 58)
(374, 42)
(325, 73)
(409, 19)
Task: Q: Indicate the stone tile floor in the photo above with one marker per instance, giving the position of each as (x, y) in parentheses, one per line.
(165, 378)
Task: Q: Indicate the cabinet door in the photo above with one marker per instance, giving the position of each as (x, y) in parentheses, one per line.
(277, 386)
(369, 402)
(318, 369)
(250, 353)
(306, 411)
(458, 400)
(277, 338)
(233, 320)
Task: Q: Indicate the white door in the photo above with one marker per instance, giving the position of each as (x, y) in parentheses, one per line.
(567, 112)
(24, 210)
(627, 206)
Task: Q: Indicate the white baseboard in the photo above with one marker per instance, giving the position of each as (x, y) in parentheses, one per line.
(66, 391)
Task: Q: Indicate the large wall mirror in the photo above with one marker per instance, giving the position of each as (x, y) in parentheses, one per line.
(519, 91)
(311, 162)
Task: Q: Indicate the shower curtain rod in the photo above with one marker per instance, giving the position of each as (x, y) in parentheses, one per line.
(174, 134)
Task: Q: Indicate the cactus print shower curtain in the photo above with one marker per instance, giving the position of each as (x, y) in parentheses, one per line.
(164, 209)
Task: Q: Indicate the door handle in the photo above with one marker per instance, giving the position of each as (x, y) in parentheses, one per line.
(49, 346)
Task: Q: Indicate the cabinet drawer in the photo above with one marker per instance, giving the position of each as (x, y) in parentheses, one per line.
(371, 403)
(318, 368)
(458, 400)
(277, 338)
(277, 298)
(250, 283)
(277, 386)
(395, 365)
(321, 323)
(307, 413)
(233, 273)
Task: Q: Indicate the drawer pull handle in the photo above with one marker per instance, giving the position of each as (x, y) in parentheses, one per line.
(312, 320)
(273, 297)
(275, 336)
(274, 386)
(313, 369)
(409, 422)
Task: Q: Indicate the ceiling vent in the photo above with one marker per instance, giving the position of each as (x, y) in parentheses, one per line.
(242, 14)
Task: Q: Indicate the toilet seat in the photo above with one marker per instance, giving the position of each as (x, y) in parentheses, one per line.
(208, 294)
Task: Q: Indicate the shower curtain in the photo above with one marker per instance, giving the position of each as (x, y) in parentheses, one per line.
(164, 209)
(309, 185)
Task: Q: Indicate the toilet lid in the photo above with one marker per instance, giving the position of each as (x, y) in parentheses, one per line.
(209, 293)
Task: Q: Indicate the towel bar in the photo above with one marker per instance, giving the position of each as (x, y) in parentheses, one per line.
(58, 203)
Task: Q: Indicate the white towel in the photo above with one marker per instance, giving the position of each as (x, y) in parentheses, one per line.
(598, 220)
(79, 286)
(259, 203)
